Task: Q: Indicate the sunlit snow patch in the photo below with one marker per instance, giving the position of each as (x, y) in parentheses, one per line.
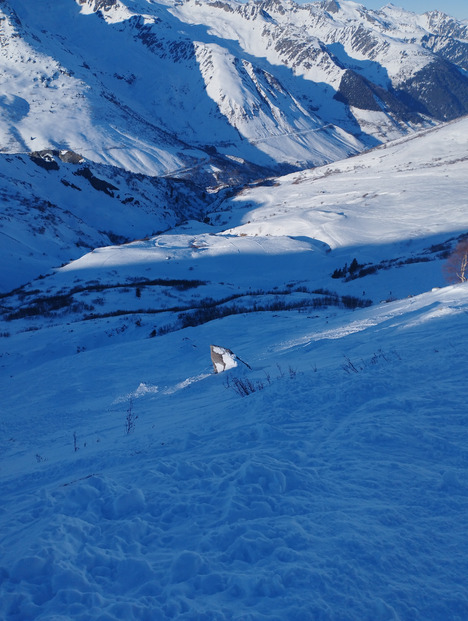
(186, 382)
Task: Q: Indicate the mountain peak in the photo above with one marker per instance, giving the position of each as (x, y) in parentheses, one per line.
(331, 6)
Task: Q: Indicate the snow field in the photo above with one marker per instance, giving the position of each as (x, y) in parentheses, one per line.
(389, 191)
(329, 493)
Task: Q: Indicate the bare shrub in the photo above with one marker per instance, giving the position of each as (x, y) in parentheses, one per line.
(350, 367)
(243, 386)
(456, 266)
(130, 419)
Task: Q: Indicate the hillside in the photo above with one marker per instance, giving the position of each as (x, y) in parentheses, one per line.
(326, 481)
(56, 206)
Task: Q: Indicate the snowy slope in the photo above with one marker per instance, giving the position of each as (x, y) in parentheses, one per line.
(388, 191)
(56, 206)
(138, 484)
(330, 493)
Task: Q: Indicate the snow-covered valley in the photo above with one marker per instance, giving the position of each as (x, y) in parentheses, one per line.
(327, 481)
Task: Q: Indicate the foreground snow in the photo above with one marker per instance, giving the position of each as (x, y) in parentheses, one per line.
(337, 491)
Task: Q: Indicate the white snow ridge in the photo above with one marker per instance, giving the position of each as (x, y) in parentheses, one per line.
(312, 464)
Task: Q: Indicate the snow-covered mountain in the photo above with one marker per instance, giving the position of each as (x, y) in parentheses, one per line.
(57, 206)
(216, 93)
(324, 475)
(401, 205)
(326, 480)
(182, 88)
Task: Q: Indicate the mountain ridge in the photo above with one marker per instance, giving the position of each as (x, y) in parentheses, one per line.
(155, 86)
